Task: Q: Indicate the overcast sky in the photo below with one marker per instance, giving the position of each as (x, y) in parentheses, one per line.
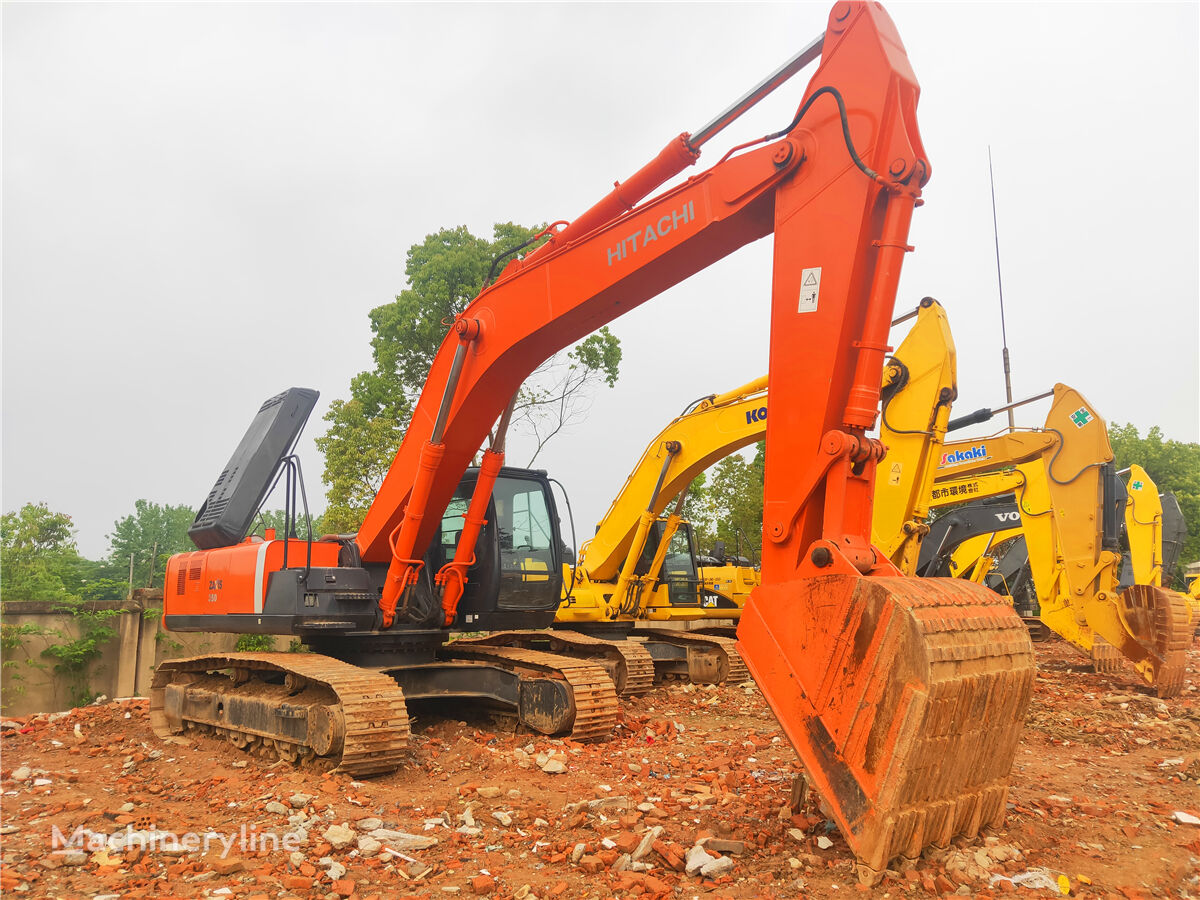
(203, 202)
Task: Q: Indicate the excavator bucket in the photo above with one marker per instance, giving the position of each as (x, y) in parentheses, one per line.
(1157, 635)
(904, 698)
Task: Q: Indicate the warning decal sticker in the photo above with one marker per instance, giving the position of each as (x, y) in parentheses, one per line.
(810, 290)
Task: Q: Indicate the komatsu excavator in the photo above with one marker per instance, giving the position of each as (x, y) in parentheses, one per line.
(1070, 506)
(904, 697)
(641, 565)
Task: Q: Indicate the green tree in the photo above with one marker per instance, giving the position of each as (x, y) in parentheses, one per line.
(36, 550)
(274, 518)
(1174, 466)
(730, 509)
(151, 534)
(39, 561)
(444, 272)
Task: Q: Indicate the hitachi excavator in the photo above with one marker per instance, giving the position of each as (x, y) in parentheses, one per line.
(1070, 506)
(904, 697)
(641, 565)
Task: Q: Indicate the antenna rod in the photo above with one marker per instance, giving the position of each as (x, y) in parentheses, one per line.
(1000, 284)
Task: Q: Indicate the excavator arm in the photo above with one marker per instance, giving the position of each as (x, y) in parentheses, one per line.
(920, 384)
(1144, 527)
(861, 667)
(710, 430)
(816, 185)
(1071, 506)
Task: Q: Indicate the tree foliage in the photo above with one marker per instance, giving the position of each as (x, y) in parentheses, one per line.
(37, 554)
(39, 562)
(1174, 466)
(444, 273)
(150, 534)
(274, 518)
(729, 505)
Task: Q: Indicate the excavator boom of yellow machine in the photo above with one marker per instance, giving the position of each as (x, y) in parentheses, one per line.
(1066, 488)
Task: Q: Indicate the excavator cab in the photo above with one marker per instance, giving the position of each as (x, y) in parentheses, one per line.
(517, 570)
(678, 572)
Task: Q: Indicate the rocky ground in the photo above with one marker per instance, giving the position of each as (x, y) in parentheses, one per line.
(690, 798)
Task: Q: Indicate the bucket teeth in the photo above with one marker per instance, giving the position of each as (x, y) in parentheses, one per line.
(1106, 659)
(904, 697)
(1158, 619)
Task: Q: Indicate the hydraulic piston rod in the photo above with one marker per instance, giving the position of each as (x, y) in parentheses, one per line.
(680, 152)
(985, 414)
(756, 93)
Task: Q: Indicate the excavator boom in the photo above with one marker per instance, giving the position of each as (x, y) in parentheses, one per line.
(903, 697)
(713, 428)
(1071, 507)
(918, 388)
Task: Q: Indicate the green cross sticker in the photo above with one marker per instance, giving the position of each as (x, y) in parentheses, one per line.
(1137, 485)
(1081, 417)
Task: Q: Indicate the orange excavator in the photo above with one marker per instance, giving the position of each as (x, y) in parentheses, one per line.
(904, 697)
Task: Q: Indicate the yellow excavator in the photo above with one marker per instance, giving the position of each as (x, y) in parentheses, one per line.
(1155, 531)
(1153, 536)
(641, 566)
(1069, 503)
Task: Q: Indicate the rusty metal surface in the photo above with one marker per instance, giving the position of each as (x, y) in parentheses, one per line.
(1158, 619)
(1106, 658)
(904, 697)
(363, 730)
(592, 691)
(627, 662)
(732, 669)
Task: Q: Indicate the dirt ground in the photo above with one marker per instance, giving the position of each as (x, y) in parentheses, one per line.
(1103, 777)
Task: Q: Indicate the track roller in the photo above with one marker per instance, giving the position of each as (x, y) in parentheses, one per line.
(710, 659)
(627, 662)
(297, 707)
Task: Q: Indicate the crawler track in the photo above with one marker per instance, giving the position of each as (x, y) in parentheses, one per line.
(732, 669)
(297, 707)
(627, 662)
(592, 694)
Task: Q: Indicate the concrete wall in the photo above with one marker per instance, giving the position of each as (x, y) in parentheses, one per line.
(126, 663)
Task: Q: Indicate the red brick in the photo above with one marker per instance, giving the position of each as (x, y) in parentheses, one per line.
(483, 884)
(591, 864)
(627, 841)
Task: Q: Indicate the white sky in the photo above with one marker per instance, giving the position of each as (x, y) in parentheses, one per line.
(202, 203)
